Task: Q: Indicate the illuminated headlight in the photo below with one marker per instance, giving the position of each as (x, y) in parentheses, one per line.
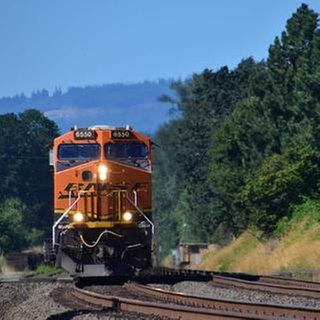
(78, 217)
(102, 172)
(127, 216)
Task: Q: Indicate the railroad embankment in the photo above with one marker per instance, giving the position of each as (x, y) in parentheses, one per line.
(294, 247)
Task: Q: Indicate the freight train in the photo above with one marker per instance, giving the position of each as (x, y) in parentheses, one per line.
(102, 202)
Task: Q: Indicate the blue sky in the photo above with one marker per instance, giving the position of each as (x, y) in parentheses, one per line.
(66, 43)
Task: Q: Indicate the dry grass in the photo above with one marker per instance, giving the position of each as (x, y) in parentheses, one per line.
(227, 258)
(4, 268)
(297, 251)
(168, 262)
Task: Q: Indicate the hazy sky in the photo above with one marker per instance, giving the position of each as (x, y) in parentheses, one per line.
(49, 43)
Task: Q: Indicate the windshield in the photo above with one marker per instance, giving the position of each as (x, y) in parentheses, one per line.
(125, 151)
(134, 154)
(80, 152)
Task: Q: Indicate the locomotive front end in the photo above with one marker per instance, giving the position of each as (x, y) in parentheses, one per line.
(102, 186)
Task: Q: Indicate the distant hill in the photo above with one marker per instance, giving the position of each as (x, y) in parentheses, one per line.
(114, 104)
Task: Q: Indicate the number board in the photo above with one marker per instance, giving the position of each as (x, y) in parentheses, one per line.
(122, 134)
(85, 134)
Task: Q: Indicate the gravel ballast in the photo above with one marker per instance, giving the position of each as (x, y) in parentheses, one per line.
(29, 300)
(53, 301)
(210, 290)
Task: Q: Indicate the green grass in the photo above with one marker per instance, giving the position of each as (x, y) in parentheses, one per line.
(240, 249)
(47, 270)
(308, 212)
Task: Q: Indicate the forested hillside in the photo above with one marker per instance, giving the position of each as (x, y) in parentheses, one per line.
(116, 104)
(245, 146)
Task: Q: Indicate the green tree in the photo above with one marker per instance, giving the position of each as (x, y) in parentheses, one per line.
(284, 117)
(231, 125)
(11, 137)
(203, 101)
(294, 63)
(238, 147)
(13, 236)
(282, 181)
(25, 140)
(36, 184)
(166, 186)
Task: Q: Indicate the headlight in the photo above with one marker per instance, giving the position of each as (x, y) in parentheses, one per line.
(78, 217)
(102, 172)
(127, 216)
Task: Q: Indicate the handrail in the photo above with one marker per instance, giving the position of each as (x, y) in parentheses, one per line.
(139, 210)
(63, 216)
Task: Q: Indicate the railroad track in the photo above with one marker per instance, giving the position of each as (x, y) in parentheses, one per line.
(148, 300)
(182, 306)
(151, 301)
(172, 311)
(290, 282)
(265, 311)
(272, 284)
(239, 275)
(266, 284)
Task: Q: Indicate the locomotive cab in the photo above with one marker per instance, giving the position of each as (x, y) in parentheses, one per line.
(102, 201)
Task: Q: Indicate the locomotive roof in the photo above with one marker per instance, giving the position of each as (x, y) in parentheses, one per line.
(104, 127)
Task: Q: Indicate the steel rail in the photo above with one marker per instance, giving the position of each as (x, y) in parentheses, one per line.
(254, 309)
(268, 286)
(293, 282)
(308, 288)
(164, 310)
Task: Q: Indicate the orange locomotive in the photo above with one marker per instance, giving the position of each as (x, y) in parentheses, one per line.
(102, 201)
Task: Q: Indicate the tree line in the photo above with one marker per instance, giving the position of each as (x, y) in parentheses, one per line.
(108, 96)
(26, 181)
(244, 146)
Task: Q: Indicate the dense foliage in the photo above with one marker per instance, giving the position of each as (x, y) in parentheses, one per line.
(26, 180)
(244, 146)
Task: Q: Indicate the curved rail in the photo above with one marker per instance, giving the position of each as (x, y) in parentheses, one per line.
(194, 307)
(164, 310)
(274, 284)
(290, 282)
(274, 287)
(265, 311)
